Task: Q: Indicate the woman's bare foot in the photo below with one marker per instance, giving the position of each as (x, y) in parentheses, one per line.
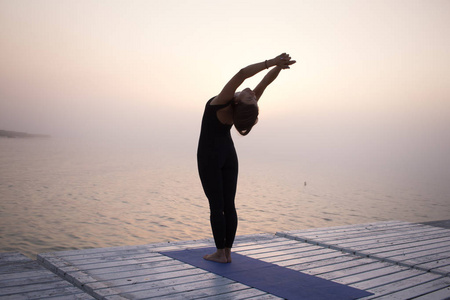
(219, 256)
(228, 254)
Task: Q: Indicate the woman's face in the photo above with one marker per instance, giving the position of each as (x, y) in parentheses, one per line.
(246, 96)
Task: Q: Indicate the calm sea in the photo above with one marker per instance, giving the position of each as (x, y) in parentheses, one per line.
(60, 195)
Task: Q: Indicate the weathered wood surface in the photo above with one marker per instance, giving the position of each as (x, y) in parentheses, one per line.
(140, 272)
(393, 260)
(23, 278)
(385, 258)
(418, 246)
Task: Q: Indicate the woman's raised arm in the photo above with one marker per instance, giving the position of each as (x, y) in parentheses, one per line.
(272, 75)
(230, 88)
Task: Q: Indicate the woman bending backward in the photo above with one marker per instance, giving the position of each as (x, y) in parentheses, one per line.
(216, 156)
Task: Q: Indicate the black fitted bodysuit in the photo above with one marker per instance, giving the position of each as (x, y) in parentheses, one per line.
(218, 168)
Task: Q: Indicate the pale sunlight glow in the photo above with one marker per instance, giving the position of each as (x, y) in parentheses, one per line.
(372, 78)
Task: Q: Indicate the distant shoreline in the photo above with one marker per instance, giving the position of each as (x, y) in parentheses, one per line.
(16, 134)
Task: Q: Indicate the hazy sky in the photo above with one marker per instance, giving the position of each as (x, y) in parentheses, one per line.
(372, 78)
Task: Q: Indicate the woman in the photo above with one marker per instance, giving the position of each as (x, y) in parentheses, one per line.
(216, 156)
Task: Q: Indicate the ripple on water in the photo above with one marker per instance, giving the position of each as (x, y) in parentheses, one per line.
(64, 199)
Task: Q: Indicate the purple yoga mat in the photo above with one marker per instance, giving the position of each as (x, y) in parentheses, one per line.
(270, 278)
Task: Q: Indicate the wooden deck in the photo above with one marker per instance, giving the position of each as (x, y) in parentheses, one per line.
(393, 260)
(416, 256)
(23, 278)
(416, 246)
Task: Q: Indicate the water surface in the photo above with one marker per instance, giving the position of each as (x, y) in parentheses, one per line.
(58, 195)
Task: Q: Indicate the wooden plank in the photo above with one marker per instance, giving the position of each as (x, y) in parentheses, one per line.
(429, 260)
(233, 291)
(361, 231)
(365, 235)
(395, 249)
(287, 261)
(189, 280)
(386, 279)
(330, 263)
(298, 247)
(280, 254)
(13, 269)
(389, 239)
(144, 276)
(137, 270)
(152, 283)
(431, 267)
(411, 259)
(405, 229)
(420, 254)
(74, 275)
(390, 249)
(43, 287)
(134, 279)
(287, 258)
(69, 293)
(201, 289)
(149, 268)
(398, 285)
(352, 270)
(378, 239)
(269, 247)
(442, 261)
(370, 272)
(369, 235)
(82, 258)
(37, 272)
(441, 294)
(44, 277)
(23, 278)
(97, 263)
(346, 228)
(331, 260)
(106, 262)
(418, 290)
(244, 294)
(7, 258)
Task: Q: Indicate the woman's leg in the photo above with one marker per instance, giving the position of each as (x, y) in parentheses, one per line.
(212, 185)
(230, 177)
(219, 183)
(212, 182)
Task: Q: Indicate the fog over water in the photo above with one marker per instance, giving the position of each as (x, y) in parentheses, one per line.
(363, 116)
(62, 194)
